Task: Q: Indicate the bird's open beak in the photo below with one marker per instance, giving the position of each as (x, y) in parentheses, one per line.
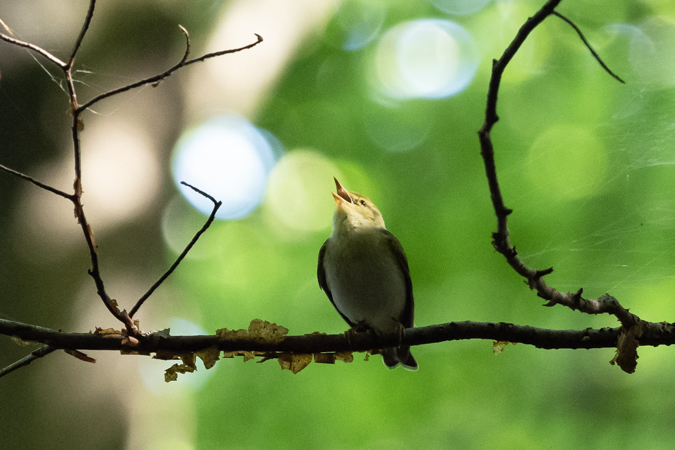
(342, 194)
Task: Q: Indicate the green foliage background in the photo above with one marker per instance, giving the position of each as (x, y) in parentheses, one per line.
(594, 198)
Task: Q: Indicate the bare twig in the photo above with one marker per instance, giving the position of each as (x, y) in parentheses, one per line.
(588, 45)
(83, 31)
(36, 182)
(34, 48)
(160, 77)
(39, 353)
(225, 52)
(216, 205)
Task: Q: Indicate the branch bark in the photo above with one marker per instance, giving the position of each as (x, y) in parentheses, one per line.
(654, 334)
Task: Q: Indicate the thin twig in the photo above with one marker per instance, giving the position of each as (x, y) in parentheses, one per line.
(216, 205)
(225, 52)
(39, 353)
(34, 48)
(83, 31)
(160, 77)
(37, 183)
(588, 45)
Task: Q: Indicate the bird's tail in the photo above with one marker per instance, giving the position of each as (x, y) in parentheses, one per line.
(393, 356)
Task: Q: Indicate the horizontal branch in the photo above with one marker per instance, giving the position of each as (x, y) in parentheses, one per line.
(654, 334)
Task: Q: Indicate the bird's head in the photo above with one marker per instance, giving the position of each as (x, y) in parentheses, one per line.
(354, 211)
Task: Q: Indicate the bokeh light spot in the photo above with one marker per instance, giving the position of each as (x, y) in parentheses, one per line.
(356, 23)
(652, 52)
(425, 58)
(228, 158)
(459, 7)
(298, 195)
(567, 162)
(396, 129)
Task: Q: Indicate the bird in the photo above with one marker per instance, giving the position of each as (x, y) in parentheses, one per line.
(364, 272)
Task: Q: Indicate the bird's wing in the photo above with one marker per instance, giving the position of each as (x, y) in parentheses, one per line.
(321, 276)
(407, 318)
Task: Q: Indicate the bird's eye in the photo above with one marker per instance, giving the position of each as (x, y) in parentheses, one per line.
(363, 202)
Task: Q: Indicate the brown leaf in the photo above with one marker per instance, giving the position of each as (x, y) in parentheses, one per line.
(498, 346)
(209, 356)
(189, 360)
(294, 362)
(264, 330)
(231, 335)
(626, 349)
(258, 329)
(346, 357)
(171, 374)
(79, 355)
(330, 358)
(106, 331)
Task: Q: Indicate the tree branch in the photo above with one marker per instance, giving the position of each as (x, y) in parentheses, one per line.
(654, 334)
(501, 242)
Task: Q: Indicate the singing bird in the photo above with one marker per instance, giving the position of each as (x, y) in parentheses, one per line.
(364, 272)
